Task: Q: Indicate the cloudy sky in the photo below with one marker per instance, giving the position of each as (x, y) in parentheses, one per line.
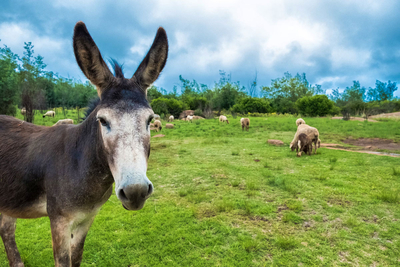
(333, 42)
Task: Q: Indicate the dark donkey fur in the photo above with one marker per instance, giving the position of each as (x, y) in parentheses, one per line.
(66, 172)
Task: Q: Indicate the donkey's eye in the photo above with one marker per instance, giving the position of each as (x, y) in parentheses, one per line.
(149, 120)
(102, 121)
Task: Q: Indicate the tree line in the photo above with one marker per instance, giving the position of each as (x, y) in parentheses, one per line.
(288, 94)
(25, 83)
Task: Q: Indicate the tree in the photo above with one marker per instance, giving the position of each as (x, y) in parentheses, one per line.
(8, 81)
(153, 93)
(30, 71)
(286, 90)
(382, 91)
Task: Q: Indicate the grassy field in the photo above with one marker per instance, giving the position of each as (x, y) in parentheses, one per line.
(60, 115)
(224, 197)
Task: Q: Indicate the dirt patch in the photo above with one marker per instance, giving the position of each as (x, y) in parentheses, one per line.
(368, 147)
(354, 119)
(386, 115)
(159, 135)
(373, 143)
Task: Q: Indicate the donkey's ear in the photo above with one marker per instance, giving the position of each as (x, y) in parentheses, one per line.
(154, 61)
(89, 58)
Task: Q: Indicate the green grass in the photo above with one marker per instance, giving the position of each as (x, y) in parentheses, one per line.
(60, 115)
(214, 205)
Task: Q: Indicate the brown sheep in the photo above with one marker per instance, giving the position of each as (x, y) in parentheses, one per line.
(245, 122)
(223, 118)
(305, 144)
(169, 126)
(65, 121)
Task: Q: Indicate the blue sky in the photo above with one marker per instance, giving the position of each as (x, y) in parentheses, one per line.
(333, 42)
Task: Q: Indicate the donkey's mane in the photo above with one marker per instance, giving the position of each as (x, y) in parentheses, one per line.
(118, 73)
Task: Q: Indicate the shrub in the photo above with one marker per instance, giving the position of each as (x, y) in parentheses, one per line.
(167, 106)
(254, 105)
(318, 105)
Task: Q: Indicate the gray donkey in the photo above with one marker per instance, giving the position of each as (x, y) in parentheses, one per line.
(66, 172)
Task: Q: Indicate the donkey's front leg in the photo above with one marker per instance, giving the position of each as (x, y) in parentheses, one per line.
(78, 235)
(7, 233)
(61, 238)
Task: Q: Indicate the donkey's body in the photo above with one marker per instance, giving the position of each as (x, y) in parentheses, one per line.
(66, 172)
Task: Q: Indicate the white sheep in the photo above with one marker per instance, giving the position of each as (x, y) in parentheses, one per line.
(223, 118)
(245, 122)
(300, 121)
(49, 113)
(169, 126)
(23, 111)
(189, 118)
(171, 118)
(311, 133)
(65, 121)
(157, 125)
(156, 117)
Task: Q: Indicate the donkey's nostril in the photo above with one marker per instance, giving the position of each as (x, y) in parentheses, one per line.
(150, 190)
(122, 195)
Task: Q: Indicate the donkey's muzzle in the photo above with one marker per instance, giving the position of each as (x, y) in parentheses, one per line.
(134, 196)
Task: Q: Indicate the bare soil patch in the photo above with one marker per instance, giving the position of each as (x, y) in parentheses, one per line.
(373, 143)
(355, 119)
(386, 115)
(368, 147)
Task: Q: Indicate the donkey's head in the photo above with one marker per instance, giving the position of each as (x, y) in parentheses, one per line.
(123, 114)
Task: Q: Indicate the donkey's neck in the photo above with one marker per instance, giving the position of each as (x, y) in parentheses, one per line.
(89, 148)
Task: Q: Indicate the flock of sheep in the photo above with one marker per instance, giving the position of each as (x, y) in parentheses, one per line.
(303, 140)
(52, 113)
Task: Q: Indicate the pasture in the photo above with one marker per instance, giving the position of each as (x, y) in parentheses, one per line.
(224, 197)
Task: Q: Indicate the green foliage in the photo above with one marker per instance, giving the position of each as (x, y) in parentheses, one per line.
(318, 105)
(251, 105)
(167, 106)
(24, 82)
(8, 81)
(287, 90)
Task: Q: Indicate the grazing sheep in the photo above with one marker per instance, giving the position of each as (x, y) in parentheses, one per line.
(157, 125)
(156, 117)
(189, 118)
(23, 111)
(65, 121)
(169, 126)
(305, 144)
(245, 122)
(171, 118)
(223, 118)
(311, 132)
(300, 121)
(49, 113)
